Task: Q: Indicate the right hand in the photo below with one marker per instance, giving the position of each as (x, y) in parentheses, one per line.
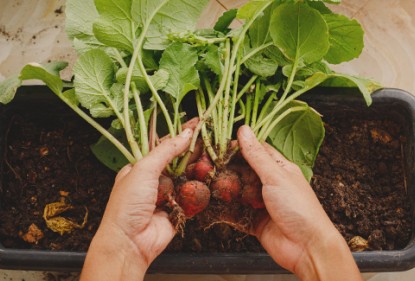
(295, 231)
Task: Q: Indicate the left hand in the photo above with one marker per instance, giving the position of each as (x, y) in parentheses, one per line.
(132, 230)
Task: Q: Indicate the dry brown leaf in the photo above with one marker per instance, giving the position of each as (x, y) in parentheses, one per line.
(33, 235)
(58, 223)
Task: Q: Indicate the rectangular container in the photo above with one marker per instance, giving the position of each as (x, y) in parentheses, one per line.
(390, 102)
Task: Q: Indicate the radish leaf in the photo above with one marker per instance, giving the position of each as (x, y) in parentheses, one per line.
(94, 77)
(179, 61)
(298, 136)
(300, 32)
(346, 39)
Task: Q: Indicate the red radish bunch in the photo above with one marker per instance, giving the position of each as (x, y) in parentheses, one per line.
(236, 185)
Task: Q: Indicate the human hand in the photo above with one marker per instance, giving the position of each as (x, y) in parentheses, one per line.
(295, 231)
(132, 233)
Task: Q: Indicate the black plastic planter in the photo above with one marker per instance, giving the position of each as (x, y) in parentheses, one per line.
(388, 102)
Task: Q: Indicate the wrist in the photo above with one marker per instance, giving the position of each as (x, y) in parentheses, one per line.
(113, 256)
(327, 257)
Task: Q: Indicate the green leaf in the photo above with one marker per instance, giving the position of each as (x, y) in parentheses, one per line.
(149, 60)
(165, 17)
(276, 55)
(300, 32)
(107, 153)
(366, 86)
(264, 57)
(327, 1)
(261, 65)
(70, 96)
(48, 73)
(115, 26)
(8, 89)
(94, 77)
(80, 14)
(55, 67)
(225, 21)
(310, 69)
(249, 10)
(319, 6)
(213, 60)
(84, 45)
(307, 171)
(315, 80)
(160, 79)
(346, 39)
(179, 61)
(299, 136)
(137, 77)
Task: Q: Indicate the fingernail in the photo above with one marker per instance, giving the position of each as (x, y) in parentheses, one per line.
(247, 133)
(186, 133)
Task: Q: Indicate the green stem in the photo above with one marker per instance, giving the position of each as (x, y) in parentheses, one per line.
(246, 87)
(242, 115)
(277, 108)
(223, 142)
(256, 103)
(248, 109)
(263, 135)
(177, 124)
(157, 97)
(214, 115)
(119, 58)
(267, 104)
(137, 57)
(145, 148)
(127, 124)
(184, 161)
(283, 101)
(290, 81)
(212, 105)
(234, 99)
(153, 127)
(100, 129)
(201, 105)
(255, 51)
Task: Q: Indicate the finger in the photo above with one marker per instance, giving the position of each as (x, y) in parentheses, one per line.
(191, 124)
(123, 172)
(257, 157)
(275, 154)
(281, 160)
(151, 166)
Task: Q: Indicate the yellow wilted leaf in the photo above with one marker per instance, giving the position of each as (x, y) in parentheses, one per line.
(58, 223)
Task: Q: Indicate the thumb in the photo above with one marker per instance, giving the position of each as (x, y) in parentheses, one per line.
(257, 157)
(151, 166)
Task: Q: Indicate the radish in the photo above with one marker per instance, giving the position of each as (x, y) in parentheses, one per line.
(226, 186)
(203, 168)
(165, 190)
(252, 196)
(193, 197)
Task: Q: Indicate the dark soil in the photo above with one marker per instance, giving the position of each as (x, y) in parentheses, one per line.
(42, 163)
(358, 177)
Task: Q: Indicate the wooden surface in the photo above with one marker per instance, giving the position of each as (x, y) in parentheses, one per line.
(34, 31)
